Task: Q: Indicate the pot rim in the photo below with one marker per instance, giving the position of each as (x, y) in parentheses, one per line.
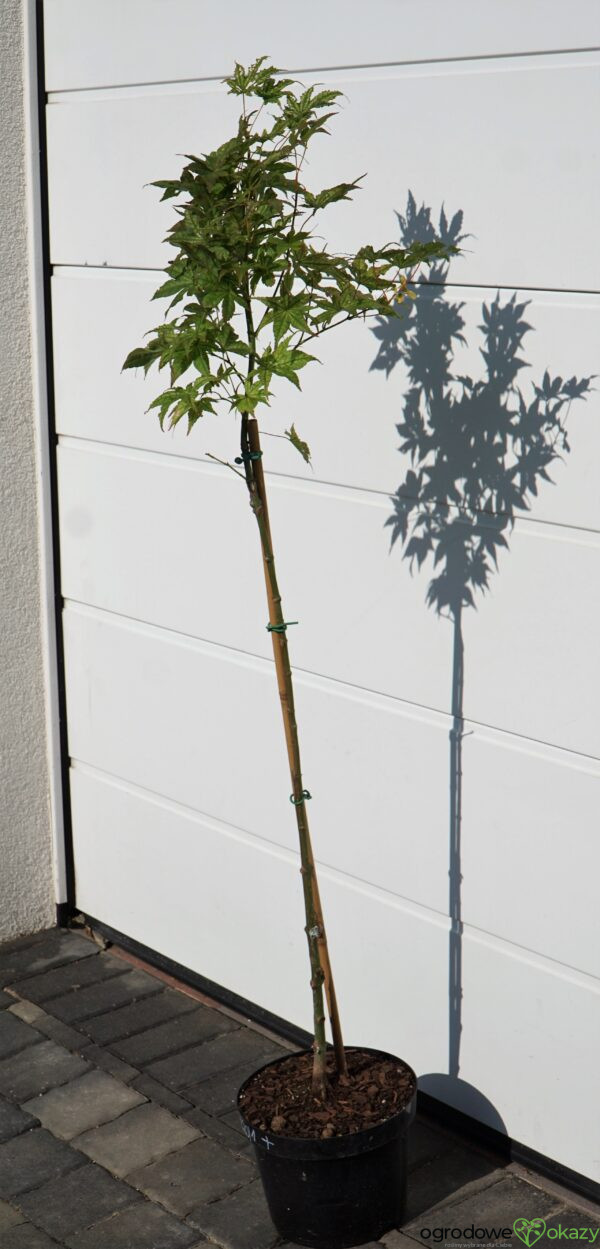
(346, 1143)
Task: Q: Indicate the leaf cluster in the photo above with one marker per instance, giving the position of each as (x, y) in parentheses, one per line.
(250, 286)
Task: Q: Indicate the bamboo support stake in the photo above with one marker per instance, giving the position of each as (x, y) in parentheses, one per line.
(315, 926)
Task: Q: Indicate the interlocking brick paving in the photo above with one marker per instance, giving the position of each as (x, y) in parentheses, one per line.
(140, 1143)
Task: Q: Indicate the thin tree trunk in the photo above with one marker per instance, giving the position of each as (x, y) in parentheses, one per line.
(321, 976)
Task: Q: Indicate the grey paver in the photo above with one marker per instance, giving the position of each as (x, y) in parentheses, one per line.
(14, 1034)
(13, 1121)
(109, 1062)
(496, 1205)
(37, 1069)
(33, 1158)
(27, 1011)
(217, 1095)
(52, 950)
(570, 1217)
(135, 1139)
(82, 1104)
(240, 1221)
(440, 1185)
(70, 977)
(198, 1173)
(156, 1092)
(200, 1061)
(58, 1031)
(395, 1240)
(5, 1000)
(197, 1026)
(137, 1016)
(108, 994)
(9, 1217)
(220, 1130)
(141, 1227)
(26, 1236)
(426, 1142)
(77, 1200)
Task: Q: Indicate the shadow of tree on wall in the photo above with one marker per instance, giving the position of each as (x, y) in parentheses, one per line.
(476, 451)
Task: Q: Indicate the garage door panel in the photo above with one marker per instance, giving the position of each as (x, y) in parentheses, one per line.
(188, 561)
(95, 400)
(201, 726)
(102, 213)
(231, 880)
(520, 1015)
(132, 690)
(146, 51)
(519, 840)
(521, 1018)
(175, 544)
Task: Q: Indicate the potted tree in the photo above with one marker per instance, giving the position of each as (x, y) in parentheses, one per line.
(329, 1126)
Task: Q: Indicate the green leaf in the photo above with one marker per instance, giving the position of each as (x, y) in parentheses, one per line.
(297, 442)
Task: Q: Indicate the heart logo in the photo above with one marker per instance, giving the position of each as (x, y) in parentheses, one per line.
(529, 1230)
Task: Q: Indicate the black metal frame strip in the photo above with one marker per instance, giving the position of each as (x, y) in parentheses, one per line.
(463, 1125)
(64, 909)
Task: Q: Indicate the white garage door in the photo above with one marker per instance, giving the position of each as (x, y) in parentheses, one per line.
(183, 834)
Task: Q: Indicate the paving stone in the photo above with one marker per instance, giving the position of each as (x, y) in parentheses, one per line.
(198, 1173)
(37, 1069)
(109, 1062)
(5, 999)
(70, 978)
(200, 1061)
(23, 943)
(27, 1011)
(13, 1121)
(135, 1139)
(217, 1095)
(156, 1092)
(98, 998)
(77, 1200)
(199, 1025)
(240, 1221)
(31, 1159)
(137, 1016)
(9, 1217)
(60, 1032)
(426, 1142)
(14, 1034)
(82, 1104)
(218, 1130)
(26, 1236)
(232, 1119)
(438, 1184)
(141, 1227)
(397, 1240)
(570, 1217)
(54, 949)
(496, 1205)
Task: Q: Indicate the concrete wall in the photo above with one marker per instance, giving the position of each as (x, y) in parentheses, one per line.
(26, 887)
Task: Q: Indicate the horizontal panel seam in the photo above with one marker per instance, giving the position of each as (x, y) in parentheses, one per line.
(193, 463)
(469, 59)
(517, 288)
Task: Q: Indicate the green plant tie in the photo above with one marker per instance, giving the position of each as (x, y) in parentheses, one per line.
(280, 628)
(296, 801)
(248, 455)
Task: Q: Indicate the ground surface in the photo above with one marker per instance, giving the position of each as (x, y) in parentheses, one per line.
(118, 1128)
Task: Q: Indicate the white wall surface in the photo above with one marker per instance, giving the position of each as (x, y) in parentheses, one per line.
(26, 885)
(179, 782)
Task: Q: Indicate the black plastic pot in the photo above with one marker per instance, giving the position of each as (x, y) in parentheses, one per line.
(339, 1192)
